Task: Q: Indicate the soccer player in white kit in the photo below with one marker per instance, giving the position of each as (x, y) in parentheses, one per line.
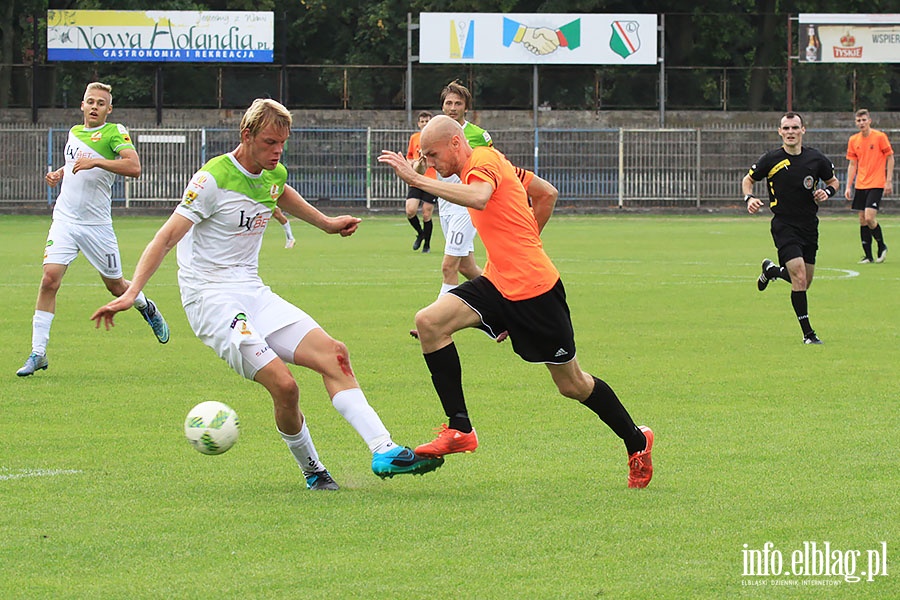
(218, 228)
(95, 153)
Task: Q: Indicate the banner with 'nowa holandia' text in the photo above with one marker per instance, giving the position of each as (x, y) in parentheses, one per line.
(160, 36)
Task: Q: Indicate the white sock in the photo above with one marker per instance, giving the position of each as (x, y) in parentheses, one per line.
(446, 287)
(140, 302)
(288, 234)
(301, 446)
(354, 407)
(40, 331)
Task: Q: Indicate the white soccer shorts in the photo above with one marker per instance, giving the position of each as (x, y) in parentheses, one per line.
(239, 325)
(98, 243)
(459, 233)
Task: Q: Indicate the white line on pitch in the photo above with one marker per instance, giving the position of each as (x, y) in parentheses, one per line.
(22, 473)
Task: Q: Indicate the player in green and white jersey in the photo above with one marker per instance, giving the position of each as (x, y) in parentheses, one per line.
(459, 233)
(95, 152)
(218, 228)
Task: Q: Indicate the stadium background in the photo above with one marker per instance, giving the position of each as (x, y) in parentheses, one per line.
(599, 132)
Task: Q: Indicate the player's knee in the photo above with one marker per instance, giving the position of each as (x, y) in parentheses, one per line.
(284, 390)
(425, 320)
(341, 352)
(50, 284)
(342, 356)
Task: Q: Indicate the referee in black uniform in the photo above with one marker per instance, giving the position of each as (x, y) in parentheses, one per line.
(792, 173)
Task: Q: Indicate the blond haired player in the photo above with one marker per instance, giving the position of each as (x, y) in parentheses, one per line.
(218, 228)
(96, 151)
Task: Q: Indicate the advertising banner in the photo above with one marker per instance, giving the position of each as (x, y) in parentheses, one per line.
(160, 36)
(839, 38)
(513, 38)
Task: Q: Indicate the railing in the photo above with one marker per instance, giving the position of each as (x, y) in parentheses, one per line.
(596, 168)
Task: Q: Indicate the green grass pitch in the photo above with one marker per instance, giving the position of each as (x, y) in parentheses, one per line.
(759, 438)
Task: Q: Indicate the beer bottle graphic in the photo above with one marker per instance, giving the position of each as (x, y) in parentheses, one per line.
(813, 45)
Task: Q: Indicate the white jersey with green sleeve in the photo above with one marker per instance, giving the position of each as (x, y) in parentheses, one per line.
(85, 197)
(230, 208)
(477, 137)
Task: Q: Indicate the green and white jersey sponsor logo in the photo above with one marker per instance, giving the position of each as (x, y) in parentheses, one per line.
(85, 197)
(230, 208)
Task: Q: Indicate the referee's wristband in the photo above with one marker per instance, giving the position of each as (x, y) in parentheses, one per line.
(829, 190)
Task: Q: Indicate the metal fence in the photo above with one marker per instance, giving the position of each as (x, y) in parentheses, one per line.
(597, 168)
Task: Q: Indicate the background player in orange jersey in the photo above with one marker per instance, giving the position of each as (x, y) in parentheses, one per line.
(871, 167)
(416, 197)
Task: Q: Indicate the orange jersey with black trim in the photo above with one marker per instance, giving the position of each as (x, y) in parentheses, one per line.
(870, 154)
(525, 176)
(516, 262)
(412, 152)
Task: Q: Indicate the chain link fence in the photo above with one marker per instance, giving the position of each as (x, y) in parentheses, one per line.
(690, 169)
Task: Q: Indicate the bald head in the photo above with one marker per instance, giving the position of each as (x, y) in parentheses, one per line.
(440, 129)
(444, 145)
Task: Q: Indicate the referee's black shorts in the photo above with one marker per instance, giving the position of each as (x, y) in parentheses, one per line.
(540, 328)
(796, 239)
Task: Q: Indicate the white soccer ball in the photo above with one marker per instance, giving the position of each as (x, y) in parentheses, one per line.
(212, 427)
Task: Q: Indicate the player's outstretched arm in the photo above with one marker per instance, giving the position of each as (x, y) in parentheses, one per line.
(474, 195)
(291, 201)
(165, 239)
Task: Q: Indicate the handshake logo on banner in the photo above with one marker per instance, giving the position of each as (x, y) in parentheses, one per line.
(546, 38)
(542, 40)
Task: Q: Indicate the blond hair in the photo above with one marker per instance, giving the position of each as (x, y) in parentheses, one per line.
(264, 112)
(103, 87)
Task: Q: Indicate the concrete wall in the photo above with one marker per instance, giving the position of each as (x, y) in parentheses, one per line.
(491, 119)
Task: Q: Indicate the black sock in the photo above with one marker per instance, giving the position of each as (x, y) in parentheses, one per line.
(446, 375)
(606, 404)
(414, 221)
(865, 234)
(801, 308)
(879, 237)
(427, 227)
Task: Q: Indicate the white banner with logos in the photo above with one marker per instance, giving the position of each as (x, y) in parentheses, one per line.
(839, 38)
(538, 38)
(160, 36)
